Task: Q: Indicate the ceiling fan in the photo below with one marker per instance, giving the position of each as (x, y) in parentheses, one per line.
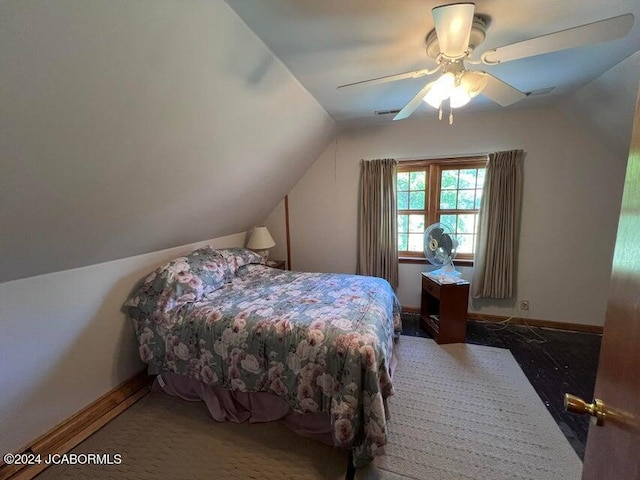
(457, 34)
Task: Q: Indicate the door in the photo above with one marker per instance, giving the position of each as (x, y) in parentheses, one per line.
(613, 449)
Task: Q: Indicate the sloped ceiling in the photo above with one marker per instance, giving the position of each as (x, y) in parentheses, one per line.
(129, 127)
(606, 106)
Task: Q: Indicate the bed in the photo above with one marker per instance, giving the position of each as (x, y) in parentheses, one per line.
(260, 344)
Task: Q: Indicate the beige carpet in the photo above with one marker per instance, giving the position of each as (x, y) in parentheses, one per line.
(468, 412)
(460, 412)
(163, 437)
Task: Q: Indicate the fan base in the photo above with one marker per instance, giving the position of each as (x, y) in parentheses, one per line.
(448, 269)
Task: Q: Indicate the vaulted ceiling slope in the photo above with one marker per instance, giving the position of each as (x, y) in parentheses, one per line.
(606, 106)
(129, 127)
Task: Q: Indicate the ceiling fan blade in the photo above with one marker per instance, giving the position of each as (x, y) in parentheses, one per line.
(414, 103)
(453, 27)
(609, 29)
(501, 92)
(392, 78)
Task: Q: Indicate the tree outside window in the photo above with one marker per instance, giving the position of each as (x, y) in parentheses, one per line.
(447, 191)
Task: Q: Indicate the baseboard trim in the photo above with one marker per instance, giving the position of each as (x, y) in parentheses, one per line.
(65, 436)
(410, 310)
(533, 322)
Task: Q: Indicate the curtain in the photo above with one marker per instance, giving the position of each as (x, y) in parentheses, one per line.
(377, 229)
(496, 253)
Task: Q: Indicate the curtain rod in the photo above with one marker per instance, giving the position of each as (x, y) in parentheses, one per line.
(437, 157)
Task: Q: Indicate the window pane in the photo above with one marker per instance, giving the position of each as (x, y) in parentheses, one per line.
(481, 172)
(415, 242)
(448, 199)
(449, 179)
(403, 223)
(466, 223)
(460, 190)
(478, 198)
(450, 221)
(467, 178)
(403, 181)
(465, 243)
(416, 201)
(403, 242)
(403, 200)
(466, 200)
(417, 181)
(416, 223)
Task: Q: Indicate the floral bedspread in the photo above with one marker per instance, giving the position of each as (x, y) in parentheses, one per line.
(323, 342)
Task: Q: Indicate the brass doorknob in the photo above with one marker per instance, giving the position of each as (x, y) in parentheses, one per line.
(577, 405)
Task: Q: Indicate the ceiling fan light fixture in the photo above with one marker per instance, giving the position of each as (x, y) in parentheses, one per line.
(459, 97)
(474, 82)
(445, 87)
(433, 99)
(440, 90)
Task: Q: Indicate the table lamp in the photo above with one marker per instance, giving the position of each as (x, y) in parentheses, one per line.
(261, 241)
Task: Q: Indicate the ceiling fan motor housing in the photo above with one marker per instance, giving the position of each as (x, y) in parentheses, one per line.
(476, 38)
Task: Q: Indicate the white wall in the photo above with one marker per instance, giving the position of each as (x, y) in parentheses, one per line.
(65, 342)
(571, 200)
(132, 126)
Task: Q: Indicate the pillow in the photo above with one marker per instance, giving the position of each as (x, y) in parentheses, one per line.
(182, 280)
(239, 257)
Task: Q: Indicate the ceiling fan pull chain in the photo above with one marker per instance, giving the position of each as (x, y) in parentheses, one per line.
(450, 116)
(440, 112)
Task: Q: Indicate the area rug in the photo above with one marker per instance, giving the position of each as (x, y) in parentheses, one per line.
(164, 437)
(460, 412)
(468, 412)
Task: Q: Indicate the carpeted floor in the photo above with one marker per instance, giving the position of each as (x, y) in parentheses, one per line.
(468, 412)
(460, 412)
(164, 437)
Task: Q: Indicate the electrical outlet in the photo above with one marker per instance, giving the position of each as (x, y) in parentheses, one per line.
(524, 304)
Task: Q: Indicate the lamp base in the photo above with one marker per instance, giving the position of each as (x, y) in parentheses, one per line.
(263, 253)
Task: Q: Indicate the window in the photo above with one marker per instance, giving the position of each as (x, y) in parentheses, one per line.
(447, 191)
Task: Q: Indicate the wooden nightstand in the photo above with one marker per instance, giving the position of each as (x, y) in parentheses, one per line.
(444, 310)
(276, 264)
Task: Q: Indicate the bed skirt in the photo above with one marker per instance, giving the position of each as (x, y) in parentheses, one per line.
(255, 407)
(232, 406)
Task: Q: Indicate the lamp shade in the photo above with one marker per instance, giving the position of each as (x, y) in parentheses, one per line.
(459, 97)
(440, 90)
(474, 82)
(260, 239)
